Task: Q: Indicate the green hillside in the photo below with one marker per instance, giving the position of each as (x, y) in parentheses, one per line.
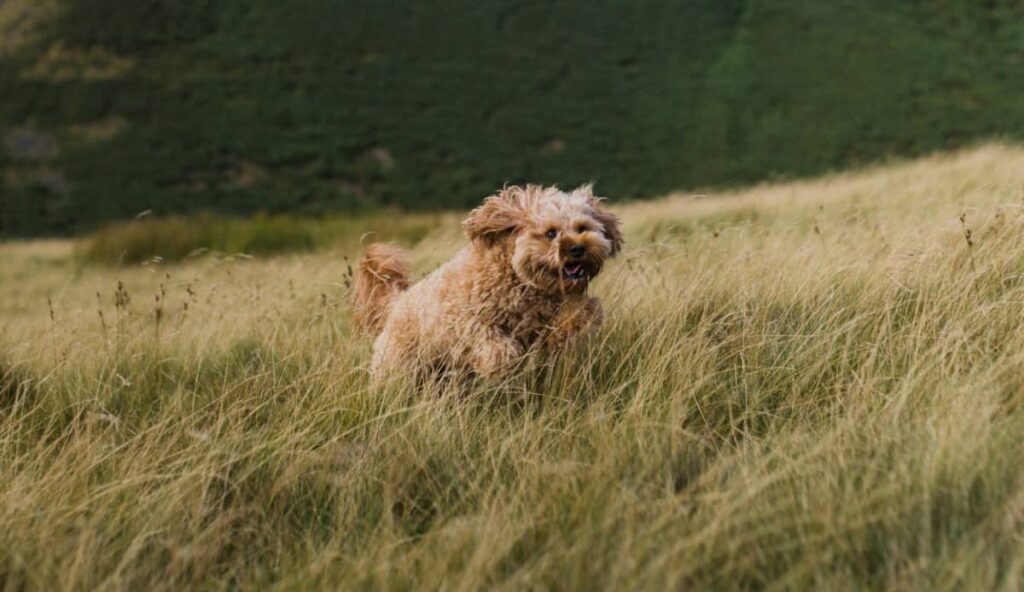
(109, 108)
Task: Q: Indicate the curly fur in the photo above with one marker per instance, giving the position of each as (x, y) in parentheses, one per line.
(520, 285)
(381, 274)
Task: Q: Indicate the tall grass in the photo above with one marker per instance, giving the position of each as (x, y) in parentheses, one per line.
(175, 238)
(814, 385)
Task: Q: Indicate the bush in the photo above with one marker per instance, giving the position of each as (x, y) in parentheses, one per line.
(178, 237)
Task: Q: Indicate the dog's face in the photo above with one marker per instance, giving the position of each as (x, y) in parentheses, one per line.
(559, 241)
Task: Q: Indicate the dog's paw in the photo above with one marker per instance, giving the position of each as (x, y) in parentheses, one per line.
(496, 355)
(576, 318)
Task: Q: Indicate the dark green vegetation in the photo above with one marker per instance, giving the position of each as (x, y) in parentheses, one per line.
(315, 106)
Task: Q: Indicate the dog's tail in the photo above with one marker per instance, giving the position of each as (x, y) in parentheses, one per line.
(381, 274)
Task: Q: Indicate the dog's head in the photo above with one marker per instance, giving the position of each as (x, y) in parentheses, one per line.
(558, 240)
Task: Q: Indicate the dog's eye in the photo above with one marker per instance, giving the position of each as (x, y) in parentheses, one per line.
(581, 229)
(551, 233)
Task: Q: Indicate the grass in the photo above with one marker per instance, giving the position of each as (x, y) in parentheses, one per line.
(320, 106)
(811, 385)
(176, 238)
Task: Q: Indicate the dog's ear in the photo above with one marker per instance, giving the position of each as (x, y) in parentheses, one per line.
(498, 215)
(607, 219)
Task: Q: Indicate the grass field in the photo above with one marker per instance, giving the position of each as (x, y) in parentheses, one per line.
(807, 385)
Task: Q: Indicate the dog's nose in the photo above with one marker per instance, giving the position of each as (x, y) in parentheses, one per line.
(577, 250)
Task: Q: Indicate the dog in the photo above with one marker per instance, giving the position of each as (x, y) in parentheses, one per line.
(519, 286)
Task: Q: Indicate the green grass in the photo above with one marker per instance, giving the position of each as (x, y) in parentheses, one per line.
(177, 238)
(321, 106)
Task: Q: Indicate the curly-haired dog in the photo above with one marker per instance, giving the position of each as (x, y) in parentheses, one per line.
(520, 285)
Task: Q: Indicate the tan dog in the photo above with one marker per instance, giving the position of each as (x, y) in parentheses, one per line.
(519, 286)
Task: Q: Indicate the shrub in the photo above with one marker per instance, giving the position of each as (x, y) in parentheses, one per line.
(178, 237)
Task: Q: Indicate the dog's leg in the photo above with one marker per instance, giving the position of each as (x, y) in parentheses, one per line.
(394, 353)
(385, 359)
(493, 353)
(576, 317)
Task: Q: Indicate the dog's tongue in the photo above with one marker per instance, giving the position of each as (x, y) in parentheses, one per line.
(574, 268)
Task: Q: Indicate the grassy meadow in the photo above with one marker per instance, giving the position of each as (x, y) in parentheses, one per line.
(815, 384)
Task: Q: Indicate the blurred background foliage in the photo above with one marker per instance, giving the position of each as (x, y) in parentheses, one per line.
(174, 238)
(309, 107)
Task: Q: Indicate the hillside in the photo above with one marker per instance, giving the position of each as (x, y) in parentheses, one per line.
(112, 108)
(806, 385)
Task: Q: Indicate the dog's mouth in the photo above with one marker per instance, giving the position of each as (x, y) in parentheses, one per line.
(574, 270)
